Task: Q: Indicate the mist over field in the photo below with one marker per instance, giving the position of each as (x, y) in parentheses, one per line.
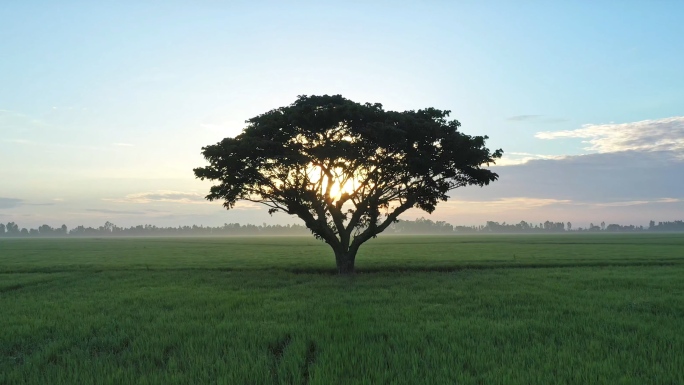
(401, 227)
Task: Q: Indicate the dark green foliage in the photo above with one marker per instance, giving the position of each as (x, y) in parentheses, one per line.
(348, 170)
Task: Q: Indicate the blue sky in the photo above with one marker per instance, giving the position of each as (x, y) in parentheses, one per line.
(104, 106)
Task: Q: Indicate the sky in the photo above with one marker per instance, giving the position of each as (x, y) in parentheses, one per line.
(105, 106)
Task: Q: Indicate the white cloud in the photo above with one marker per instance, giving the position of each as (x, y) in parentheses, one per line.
(122, 144)
(644, 136)
(515, 158)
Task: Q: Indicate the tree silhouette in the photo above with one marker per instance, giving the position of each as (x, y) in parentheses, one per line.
(12, 229)
(45, 230)
(348, 170)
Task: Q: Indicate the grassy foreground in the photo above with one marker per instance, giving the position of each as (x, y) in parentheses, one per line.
(566, 309)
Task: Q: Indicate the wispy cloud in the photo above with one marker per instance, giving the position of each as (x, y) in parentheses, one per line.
(644, 136)
(516, 158)
(510, 203)
(637, 203)
(120, 212)
(18, 122)
(554, 120)
(161, 196)
(9, 203)
(179, 197)
(122, 144)
(244, 205)
(62, 145)
(17, 141)
(535, 119)
(529, 203)
(524, 202)
(523, 118)
(51, 144)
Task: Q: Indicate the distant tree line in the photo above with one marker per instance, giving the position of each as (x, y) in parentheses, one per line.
(418, 226)
(13, 230)
(559, 227)
(110, 229)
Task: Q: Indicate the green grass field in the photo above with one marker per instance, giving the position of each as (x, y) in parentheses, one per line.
(557, 309)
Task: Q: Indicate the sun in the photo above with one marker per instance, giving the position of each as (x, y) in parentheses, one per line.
(338, 189)
(335, 179)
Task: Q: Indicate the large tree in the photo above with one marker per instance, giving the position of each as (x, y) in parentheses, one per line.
(348, 170)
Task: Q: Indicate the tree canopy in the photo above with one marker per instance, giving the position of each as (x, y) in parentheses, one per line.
(347, 169)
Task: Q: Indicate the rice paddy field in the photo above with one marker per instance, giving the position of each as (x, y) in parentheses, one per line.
(528, 309)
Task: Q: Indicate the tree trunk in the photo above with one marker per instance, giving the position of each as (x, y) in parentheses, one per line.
(345, 262)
